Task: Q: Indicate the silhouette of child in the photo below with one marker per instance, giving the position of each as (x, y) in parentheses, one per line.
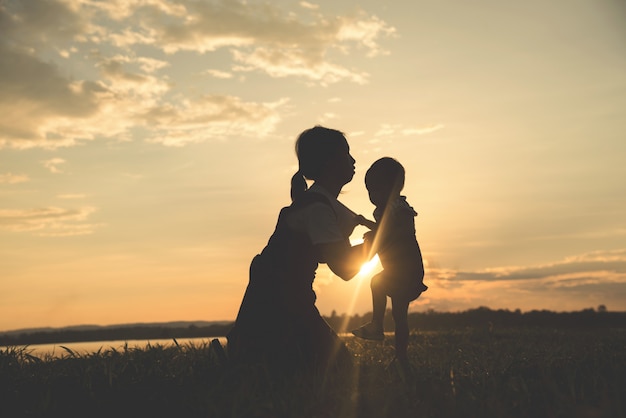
(393, 238)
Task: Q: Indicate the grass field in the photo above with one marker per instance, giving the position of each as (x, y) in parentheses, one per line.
(469, 373)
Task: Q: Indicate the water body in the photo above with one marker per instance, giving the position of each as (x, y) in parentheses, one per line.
(84, 348)
(90, 347)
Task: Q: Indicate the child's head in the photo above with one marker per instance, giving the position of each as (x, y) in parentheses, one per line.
(384, 180)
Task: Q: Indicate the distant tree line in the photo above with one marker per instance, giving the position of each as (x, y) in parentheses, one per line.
(482, 318)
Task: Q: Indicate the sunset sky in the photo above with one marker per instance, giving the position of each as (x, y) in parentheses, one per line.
(146, 147)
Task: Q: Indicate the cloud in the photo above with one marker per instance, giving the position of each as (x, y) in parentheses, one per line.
(327, 118)
(10, 178)
(291, 62)
(211, 117)
(261, 36)
(307, 5)
(40, 21)
(38, 106)
(578, 282)
(219, 74)
(421, 131)
(71, 196)
(600, 264)
(127, 96)
(53, 163)
(585, 280)
(364, 30)
(49, 221)
(387, 133)
(389, 130)
(127, 77)
(123, 9)
(76, 71)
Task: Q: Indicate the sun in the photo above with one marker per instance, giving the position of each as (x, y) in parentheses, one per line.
(368, 267)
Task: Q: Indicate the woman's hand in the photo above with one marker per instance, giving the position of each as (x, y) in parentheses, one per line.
(368, 241)
(342, 259)
(362, 220)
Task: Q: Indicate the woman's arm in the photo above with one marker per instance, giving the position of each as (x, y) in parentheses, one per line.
(331, 245)
(361, 220)
(342, 259)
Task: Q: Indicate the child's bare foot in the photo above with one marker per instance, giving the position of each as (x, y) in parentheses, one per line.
(369, 331)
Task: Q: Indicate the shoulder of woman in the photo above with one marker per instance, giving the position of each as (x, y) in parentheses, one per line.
(313, 212)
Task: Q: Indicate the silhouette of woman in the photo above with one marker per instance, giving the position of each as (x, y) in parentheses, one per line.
(278, 323)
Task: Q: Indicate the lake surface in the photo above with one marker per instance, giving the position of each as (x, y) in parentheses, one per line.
(82, 348)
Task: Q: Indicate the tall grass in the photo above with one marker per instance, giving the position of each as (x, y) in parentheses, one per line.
(469, 373)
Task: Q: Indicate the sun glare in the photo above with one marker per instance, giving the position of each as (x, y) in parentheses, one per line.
(368, 267)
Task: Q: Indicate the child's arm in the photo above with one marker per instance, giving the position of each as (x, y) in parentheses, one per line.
(361, 220)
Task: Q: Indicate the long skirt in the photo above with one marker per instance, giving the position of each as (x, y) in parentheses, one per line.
(279, 326)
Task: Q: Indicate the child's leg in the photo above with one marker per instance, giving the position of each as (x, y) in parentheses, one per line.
(379, 301)
(374, 330)
(400, 312)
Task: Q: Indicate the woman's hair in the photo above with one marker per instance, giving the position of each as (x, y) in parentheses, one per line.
(314, 147)
(386, 173)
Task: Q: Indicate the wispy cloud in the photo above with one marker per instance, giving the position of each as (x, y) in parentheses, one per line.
(261, 36)
(308, 5)
(291, 62)
(211, 117)
(577, 282)
(219, 74)
(38, 102)
(327, 117)
(10, 178)
(38, 105)
(421, 131)
(207, 26)
(48, 221)
(594, 265)
(39, 21)
(72, 196)
(53, 165)
(51, 104)
(390, 130)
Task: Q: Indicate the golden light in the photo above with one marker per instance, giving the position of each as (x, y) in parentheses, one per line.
(362, 277)
(368, 267)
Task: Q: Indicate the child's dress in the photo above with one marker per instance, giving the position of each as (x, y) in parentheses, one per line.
(399, 251)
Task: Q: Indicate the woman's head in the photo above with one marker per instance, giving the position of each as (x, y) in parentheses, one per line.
(384, 179)
(322, 153)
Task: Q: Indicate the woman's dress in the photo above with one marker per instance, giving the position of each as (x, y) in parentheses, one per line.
(278, 323)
